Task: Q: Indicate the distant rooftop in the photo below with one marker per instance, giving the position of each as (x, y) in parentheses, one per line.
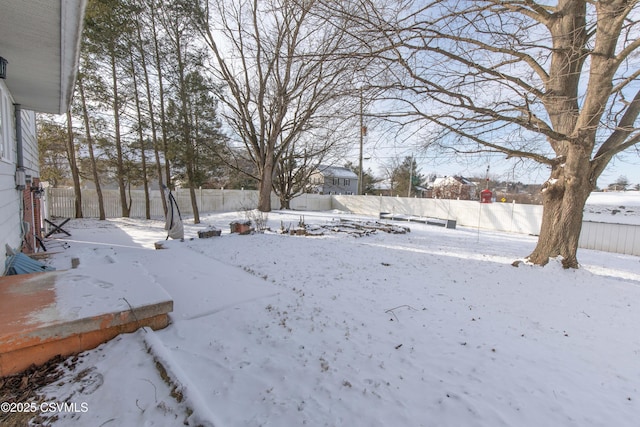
(337, 172)
(447, 180)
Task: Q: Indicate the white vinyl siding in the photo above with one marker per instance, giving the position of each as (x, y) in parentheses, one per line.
(30, 143)
(10, 232)
(7, 134)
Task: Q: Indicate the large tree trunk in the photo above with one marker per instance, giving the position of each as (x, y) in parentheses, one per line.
(145, 180)
(75, 174)
(266, 184)
(575, 175)
(285, 200)
(564, 198)
(163, 117)
(143, 155)
(187, 128)
(152, 119)
(116, 123)
(566, 191)
(92, 157)
(194, 201)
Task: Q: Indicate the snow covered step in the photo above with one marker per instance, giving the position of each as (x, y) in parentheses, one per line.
(65, 312)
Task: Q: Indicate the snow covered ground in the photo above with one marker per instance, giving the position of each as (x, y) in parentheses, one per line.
(430, 328)
(622, 207)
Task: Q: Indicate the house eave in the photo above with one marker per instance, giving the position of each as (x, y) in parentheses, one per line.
(41, 39)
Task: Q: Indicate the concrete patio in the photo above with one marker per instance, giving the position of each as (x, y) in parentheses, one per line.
(66, 312)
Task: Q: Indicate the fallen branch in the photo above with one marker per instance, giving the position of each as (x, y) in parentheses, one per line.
(391, 310)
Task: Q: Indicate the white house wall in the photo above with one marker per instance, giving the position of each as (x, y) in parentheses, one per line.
(10, 198)
(30, 144)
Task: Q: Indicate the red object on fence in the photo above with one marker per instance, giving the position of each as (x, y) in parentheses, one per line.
(486, 196)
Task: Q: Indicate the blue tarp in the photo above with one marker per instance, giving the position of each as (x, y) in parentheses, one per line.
(22, 264)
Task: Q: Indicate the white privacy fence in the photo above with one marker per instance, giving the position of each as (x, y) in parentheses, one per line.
(508, 217)
(60, 202)
(618, 238)
(494, 216)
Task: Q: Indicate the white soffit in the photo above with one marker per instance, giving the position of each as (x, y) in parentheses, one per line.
(40, 39)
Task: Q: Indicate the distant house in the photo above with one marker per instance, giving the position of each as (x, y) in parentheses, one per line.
(333, 180)
(454, 187)
(40, 42)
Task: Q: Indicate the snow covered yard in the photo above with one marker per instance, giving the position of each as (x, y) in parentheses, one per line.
(430, 328)
(615, 207)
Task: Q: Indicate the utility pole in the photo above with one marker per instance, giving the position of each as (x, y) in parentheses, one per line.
(362, 132)
(487, 177)
(410, 177)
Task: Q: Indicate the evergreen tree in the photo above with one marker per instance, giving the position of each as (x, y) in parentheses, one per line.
(406, 177)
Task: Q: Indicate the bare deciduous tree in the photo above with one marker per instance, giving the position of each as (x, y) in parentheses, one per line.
(106, 25)
(73, 164)
(285, 66)
(554, 83)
